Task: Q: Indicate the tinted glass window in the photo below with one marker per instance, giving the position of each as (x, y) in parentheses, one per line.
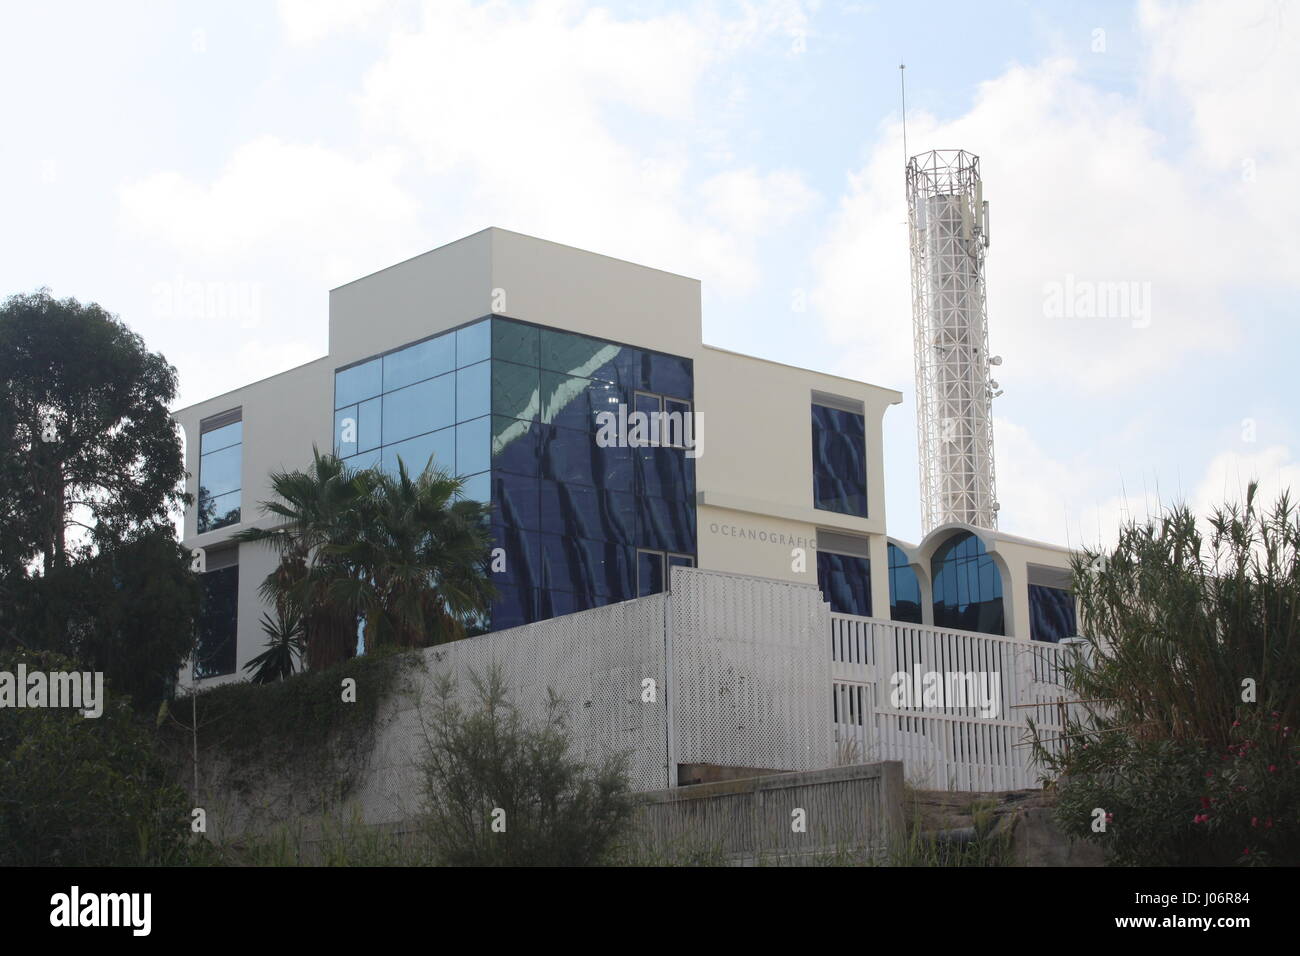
(474, 391)
(474, 446)
(904, 588)
(415, 453)
(649, 573)
(417, 362)
(515, 390)
(218, 610)
(845, 582)
(221, 458)
(423, 407)
(473, 344)
(1052, 614)
(516, 342)
(967, 586)
(839, 452)
(356, 384)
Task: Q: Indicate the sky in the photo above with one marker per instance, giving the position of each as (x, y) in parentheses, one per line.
(263, 153)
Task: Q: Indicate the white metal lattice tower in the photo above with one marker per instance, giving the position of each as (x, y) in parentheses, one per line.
(949, 229)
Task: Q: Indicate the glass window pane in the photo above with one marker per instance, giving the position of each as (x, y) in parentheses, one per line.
(586, 567)
(845, 582)
(516, 445)
(346, 426)
(473, 391)
(669, 375)
(219, 471)
(514, 390)
(839, 461)
(357, 383)
(473, 344)
(415, 453)
(578, 355)
(515, 342)
(424, 407)
(474, 446)
(1052, 614)
(433, 357)
(367, 459)
(967, 586)
(666, 525)
(478, 487)
(515, 501)
(217, 623)
(904, 588)
(588, 512)
(368, 434)
(222, 437)
(649, 573)
(217, 511)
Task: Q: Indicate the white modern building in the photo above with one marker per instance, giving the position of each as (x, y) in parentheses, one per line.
(496, 355)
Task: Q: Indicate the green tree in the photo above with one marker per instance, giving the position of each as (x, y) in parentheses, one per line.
(1190, 690)
(421, 560)
(408, 557)
(90, 477)
(503, 791)
(85, 434)
(79, 791)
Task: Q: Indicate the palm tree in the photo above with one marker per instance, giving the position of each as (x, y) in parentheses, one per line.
(283, 649)
(421, 558)
(406, 556)
(320, 510)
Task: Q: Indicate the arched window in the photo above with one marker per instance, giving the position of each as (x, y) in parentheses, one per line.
(967, 586)
(904, 588)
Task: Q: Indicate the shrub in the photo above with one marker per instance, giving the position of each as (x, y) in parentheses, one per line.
(503, 791)
(81, 791)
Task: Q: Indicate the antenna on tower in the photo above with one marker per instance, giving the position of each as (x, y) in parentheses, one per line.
(902, 89)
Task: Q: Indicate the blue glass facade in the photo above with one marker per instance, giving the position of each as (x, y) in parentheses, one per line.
(839, 455)
(218, 612)
(845, 582)
(967, 586)
(904, 588)
(513, 406)
(1052, 614)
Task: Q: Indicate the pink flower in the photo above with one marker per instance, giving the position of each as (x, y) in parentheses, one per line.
(1254, 821)
(1272, 768)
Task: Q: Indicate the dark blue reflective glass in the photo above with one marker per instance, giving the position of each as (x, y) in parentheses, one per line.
(427, 359)
(573, 402)
(424, 407)
(649, 573)
(515, 390)
(222, 437)
(578, 355)
(473, 391)
(904, 588)
(665, 473)
(845, 582)
(554, 603)
(668, 375)
(588, 512)
(666, 525)
(522, 557)
(473, 344)
(516, 446)
(415, 453)
(217, 622)
(356, 384)
(839, 450)
(967, 586)
(569, 455)
(474, 446)
(587, 567)
(516, 342)
(1052, 614)
(515, 501)
(513, 607)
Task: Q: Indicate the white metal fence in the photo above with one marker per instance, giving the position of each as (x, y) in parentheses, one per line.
(953, 706)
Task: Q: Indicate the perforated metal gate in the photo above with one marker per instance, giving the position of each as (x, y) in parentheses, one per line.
(751, 676)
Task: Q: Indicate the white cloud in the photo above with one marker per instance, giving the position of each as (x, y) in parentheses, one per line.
(566, 122)
(1229, 472)
(308, 209)
(307, 22)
